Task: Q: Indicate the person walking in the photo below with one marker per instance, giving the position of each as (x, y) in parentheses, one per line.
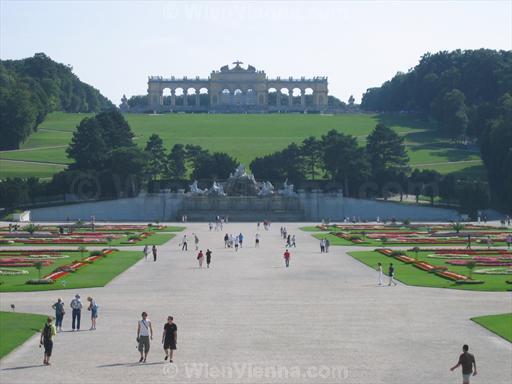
(200, 258)
(196, 241)
(210, 226)
(236, 243)
(286, 258)
(294, 245)
(241, 240)
(144, 335)
(467, 361)
(76, 313)
(169, 338)
(154, 252)
(93, 307)
(288, 241)
(146, 252)
(379, 269)
(468, 246)
(184, 246)
(322, 245)
(391, 273)
(46, 340)
(59, 313)
(226, 240)
(208, 258)
(327, 245)
(257, 241)
(509, 241)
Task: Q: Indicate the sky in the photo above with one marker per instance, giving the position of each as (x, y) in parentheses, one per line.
(116, 45)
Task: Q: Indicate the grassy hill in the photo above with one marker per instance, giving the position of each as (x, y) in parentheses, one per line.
(242, 136)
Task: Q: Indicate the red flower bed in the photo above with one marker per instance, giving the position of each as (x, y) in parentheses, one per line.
(452, 275)
(66, 269)
(405, 259)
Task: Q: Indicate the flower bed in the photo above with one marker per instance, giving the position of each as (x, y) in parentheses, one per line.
(428, 267)
(452, 275)
(12, 272)
(405, 259)
(66, 269)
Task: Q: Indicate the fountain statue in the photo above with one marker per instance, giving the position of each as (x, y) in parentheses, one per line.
(195, 190)
(267, 189)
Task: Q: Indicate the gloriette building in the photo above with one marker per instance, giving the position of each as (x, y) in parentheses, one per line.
(237, 89)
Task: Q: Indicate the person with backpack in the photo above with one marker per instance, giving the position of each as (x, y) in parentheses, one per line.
(47, 334)
(76, 314)
(93, 307)
(59, 313)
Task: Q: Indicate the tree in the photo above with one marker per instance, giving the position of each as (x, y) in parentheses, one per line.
(31, 228)
(38, 265)
(311, 150)
(127, 165)
(387, 155)
(157, 161)
(351, 101)
(471, 265)
(216, 166)
(115, 129)
(457, 227)
(344, 160)
(175, 167)
(88, 148)
(454, 114)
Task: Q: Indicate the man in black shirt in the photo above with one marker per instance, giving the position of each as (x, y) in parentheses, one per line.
(467, 361)
(169, 338)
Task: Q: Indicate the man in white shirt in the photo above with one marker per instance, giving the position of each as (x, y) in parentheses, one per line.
(76, 305)
(379, 268)
(144, 334)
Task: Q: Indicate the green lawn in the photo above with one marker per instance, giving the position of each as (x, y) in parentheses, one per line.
(499, 324)
(97, 274)
(16, 169)
(16, 328)
(248, 136)
(410, 275)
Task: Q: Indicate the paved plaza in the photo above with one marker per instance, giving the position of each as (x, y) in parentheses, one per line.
(248, 319)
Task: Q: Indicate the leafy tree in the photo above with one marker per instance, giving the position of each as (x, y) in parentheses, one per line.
(88, 148)
(344, 160)
(176, 162)
(453, 113)
(38, 265)
(311, 150)
(128, 164)
(457, 227)
(115, 129)
(31, 228)
(216, 166)
(156, 155)
(387, 155)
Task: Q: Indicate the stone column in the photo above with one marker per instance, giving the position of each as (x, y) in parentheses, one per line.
(278, 98)
(198, 100)
(290, 98)
(185, 97)
(173, 98)
(303, 98)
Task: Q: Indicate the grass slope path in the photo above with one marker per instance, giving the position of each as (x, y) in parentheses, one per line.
(245, 136)
(323, 311)
(16, 328)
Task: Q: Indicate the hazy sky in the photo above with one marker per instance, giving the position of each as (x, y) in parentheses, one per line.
(115, 45)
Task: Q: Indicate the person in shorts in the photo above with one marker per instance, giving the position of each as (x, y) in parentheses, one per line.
(467, 361)
(144, 334)
(286, 257)
(47, 334)
(169, 338)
